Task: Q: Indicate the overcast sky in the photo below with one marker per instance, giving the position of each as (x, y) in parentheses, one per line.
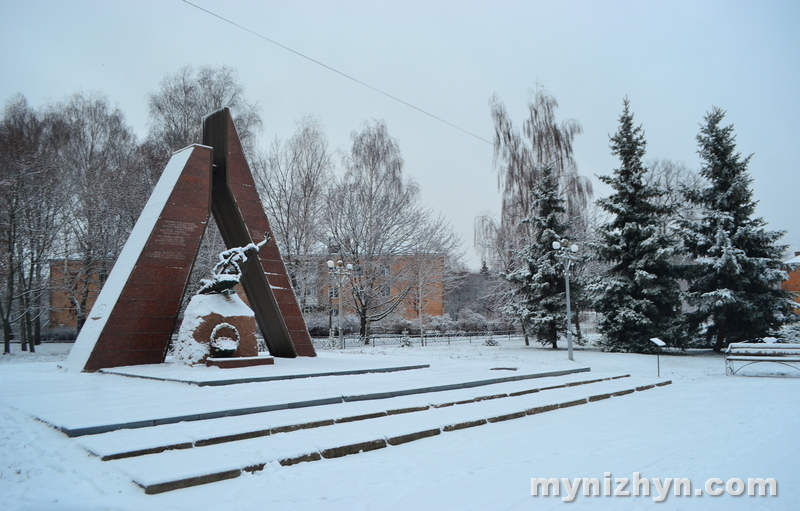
(674, 60)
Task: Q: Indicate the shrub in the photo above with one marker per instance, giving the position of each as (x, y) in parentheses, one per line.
(471, 321)
(318, 323)
(443, 324)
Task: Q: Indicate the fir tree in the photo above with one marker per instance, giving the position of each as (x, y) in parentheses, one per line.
(734, 281)
(538, 291)
(638, 296)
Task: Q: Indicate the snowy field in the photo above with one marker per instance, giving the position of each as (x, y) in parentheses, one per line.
(704, 425)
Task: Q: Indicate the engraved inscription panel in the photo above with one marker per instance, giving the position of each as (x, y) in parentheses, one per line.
(171, 240)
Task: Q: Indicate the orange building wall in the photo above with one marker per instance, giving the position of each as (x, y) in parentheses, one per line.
(793, 284)
(67, 279)
(434, 296)
(433, 304)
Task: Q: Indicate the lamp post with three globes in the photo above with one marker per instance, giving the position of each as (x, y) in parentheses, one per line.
(565, 252)
(339, 271)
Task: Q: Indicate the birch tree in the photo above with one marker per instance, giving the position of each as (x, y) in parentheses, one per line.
(433, 267)
(31, 198)
(178, 106)
(520, 158)
(96, 150)
(292, 178)
(673, 179)
(376, 222)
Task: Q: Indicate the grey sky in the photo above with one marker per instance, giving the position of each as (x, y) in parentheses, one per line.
(674, 60)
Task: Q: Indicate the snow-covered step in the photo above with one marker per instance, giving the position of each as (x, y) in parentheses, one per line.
(175, 469)
(180, 402)
(134, 442)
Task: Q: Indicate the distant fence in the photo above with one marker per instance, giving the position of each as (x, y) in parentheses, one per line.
(352, 341)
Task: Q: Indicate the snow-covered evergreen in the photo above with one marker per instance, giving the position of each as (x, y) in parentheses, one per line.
(736, 275)
(639, 295)
(537, 298)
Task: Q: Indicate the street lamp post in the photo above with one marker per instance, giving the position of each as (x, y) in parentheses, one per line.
(565, 251)
(339, 271)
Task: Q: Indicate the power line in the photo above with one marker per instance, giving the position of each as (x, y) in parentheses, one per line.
(329, 68)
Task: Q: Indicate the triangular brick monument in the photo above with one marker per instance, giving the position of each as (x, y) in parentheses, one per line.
(136, 312)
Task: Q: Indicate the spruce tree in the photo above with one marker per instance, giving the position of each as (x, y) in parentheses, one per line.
(734, 282)
(538, 292)
(638, 296)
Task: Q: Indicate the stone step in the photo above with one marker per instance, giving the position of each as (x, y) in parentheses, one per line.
(187, 403)
(196, 376)
(174, 469)
(125, 443)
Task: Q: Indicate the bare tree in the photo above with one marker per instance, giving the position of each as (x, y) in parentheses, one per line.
(184, 98)
(176, 111)
(96, 150)
(291, 178)
(475, 291)
(674, 179)
(433, 266)
(375, 222)
(43, 216)
(30, 190)
(520, 158)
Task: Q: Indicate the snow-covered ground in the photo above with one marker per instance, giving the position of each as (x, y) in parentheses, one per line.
(705, 425)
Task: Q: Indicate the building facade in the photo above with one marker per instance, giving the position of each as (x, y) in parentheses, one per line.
(420, 279)
(71, 292)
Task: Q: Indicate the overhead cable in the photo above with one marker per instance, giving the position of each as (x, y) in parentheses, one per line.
(329, 68)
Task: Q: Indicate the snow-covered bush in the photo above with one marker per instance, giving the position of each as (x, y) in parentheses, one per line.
(395, 324)
(471, 321)
(443, 324)
(318, 323)
(59, 334)
(499, 325)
